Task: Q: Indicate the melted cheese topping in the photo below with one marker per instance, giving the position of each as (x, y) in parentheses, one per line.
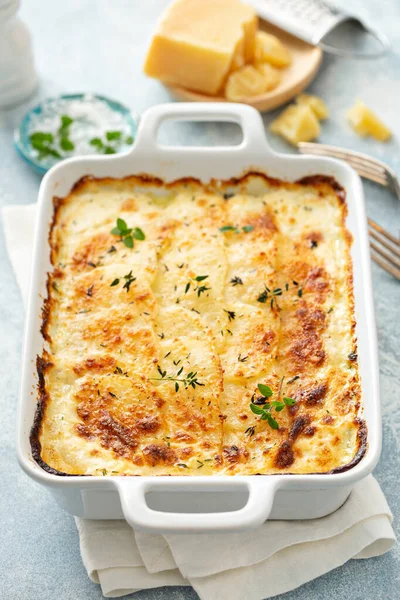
(115, 376)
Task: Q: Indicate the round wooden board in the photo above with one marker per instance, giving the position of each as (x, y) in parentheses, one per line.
(306, 60)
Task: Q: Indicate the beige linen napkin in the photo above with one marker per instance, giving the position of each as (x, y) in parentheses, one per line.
(276, 558)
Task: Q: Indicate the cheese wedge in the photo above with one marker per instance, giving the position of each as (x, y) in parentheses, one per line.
(268, 48)
(296, 124)
(272, 77)
(197, 43)
(365, 122)
(251, 81)
(316, 104)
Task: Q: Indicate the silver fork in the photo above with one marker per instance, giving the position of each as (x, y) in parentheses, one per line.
(386, 252)
(366, 166)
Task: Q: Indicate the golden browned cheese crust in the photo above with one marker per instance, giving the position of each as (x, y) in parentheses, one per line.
(236, 284)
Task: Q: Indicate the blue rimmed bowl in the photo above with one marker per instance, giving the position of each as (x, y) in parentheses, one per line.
(22, 133)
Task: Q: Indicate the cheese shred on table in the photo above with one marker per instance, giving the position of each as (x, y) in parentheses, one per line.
(154, 353)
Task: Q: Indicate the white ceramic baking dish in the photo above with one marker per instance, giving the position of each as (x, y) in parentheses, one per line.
(220, 503)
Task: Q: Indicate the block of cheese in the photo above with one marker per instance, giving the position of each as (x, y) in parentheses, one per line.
(268, 48)
(296, 124)
(316, 104)
(365, 122)
(198, 42)
(251, 81)
(272, 76)
(244, 83)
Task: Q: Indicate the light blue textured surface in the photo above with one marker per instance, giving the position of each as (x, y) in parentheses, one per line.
(82, 45)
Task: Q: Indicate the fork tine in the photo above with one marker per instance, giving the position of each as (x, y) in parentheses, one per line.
(389, 257)
(369, 174)
(385, 266)
(366, 169)
(367, 164)
(384, 243)
(383, 232)
(364, 159)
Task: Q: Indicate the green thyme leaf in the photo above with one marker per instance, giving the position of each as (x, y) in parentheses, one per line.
(201, 289)
(257, 410)
(115, 282)
(289, 401)
(272, 422)
(129, 139)
(66, 144)
(236, 281)
(263, 297)
(278, 406)
(138, 234)
(49, 152)
(113, 135)
(129, 279)
(66, 121)
(96, 142)
(128, 241)
(265, 390)
(248, 228)
(121, 224)
(231, 314)
(40, 136)
(200, 277)
(228, 228)
(109, 150)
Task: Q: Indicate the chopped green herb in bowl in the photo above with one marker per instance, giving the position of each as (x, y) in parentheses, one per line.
(74, 125)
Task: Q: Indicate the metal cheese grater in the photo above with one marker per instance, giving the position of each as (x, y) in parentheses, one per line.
(317, 23)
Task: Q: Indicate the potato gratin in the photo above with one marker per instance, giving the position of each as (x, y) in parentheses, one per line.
(199, 330)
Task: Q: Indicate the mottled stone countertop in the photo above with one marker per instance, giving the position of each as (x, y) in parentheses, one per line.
(81, 45)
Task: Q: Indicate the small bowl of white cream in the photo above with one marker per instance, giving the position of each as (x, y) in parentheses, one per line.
(74, 125)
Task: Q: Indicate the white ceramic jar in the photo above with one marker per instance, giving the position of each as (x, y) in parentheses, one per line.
(18, 77)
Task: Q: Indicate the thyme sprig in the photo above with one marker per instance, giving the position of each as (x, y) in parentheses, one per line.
(129, 279)
(47, 144)
(236, 229)
(110, 142)
(262, 407)
(127, 234)
(268, 295)
(236, 281)
(189, 380)
(250, 431)
(231, 314)
(199, 288)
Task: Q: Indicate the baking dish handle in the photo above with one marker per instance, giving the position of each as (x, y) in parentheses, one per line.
(133, 491)
(247, 117)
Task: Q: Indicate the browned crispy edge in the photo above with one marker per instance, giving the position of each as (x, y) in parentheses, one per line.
(42, 364)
